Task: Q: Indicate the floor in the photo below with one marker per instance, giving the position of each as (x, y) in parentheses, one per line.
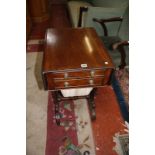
(36, 107)
(104, 128)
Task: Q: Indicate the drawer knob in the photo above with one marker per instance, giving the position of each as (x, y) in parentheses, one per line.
(66, 84)
(92, 73)
(66, 75)
(91, 82)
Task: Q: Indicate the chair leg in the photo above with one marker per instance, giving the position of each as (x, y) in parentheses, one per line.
(123, 57)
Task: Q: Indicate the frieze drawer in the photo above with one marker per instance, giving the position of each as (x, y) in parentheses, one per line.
(99, 78)
(78, 74)
(74, 83)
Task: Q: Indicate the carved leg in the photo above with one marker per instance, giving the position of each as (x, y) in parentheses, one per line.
(56, 103)
(92, 104)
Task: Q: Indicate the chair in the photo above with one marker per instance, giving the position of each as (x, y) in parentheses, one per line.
(82, 11)
(119, 51)
(117, 45)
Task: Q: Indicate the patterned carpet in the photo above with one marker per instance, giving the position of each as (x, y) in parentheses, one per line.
(74, 136)
(124, 141)
(122, 144)
(120, 83)
(123, 79)
(35, 45)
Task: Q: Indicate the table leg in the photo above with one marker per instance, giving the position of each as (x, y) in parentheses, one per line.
(92, 104)
(56, 103)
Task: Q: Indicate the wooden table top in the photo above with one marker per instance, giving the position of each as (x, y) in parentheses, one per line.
(74, 48)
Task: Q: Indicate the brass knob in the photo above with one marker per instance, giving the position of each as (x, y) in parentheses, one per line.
(92, 73)
(91, 82)
(66, 75)
(66, 84)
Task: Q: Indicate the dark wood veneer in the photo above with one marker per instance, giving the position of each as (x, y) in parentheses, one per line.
(75, 58)
(68, 48)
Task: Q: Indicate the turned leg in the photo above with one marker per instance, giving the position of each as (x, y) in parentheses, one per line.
(92, 104)
(56, 103)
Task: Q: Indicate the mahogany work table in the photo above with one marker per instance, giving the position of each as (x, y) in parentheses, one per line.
(75, 58)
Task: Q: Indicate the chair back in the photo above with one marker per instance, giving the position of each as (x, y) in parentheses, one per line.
(110, 3)
(104, 9)
(124, 27)
(104, 13)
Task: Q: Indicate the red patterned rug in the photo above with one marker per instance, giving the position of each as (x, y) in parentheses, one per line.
(123, 79)
(74, 135)
(120, 83)
(35, 45)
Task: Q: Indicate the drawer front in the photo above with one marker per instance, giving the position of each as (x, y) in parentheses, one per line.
(76, 79)
(78, 74)
(89, 82)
